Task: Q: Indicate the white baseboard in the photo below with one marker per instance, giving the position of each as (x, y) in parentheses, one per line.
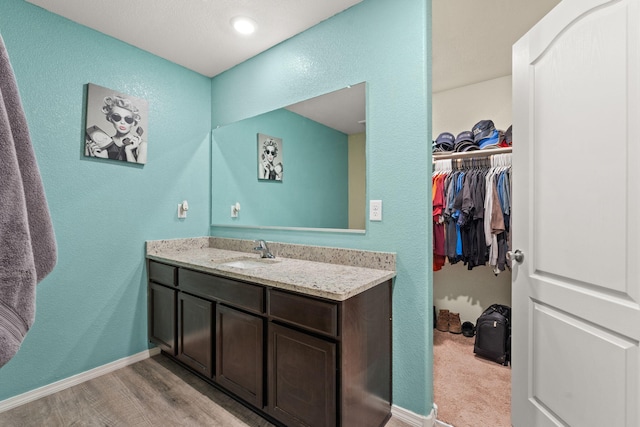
(413, 419)
(46, 390)
(437, 422)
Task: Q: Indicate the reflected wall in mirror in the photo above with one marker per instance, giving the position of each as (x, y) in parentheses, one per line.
(323, 185)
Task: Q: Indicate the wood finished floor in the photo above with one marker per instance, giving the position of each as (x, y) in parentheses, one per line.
(153, 392)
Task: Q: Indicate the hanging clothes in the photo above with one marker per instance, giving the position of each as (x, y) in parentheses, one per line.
(453, 243)
(472, 209)
(438, 222)
(497, 226)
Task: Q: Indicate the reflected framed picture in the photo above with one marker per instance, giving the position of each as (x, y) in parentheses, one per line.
(115, 127)
(270, 155)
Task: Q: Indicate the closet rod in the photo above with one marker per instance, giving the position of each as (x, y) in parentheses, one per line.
(475, 153)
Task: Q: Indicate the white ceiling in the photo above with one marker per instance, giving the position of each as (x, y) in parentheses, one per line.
(343, 109)
(472, 39)
(197, 34)
(471, 42)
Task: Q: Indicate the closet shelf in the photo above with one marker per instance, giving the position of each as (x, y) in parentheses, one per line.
(472, 154)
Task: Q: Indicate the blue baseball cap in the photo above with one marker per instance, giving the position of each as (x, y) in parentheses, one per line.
(464, 136)
(444, 141)
(482, 130)
(491, 141)
(463, 146)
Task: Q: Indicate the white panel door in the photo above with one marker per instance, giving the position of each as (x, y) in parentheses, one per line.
(576, 217)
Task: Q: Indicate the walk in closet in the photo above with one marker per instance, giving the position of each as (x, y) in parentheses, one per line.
(471, 228)
(461, 287)
(471, 81)
(455, 287)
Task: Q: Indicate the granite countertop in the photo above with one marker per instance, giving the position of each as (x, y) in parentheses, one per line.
(337, 280)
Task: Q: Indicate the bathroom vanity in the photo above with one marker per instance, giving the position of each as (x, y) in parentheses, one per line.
(302, 341)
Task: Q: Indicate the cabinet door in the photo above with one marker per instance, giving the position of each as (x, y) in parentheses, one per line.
(162, 317)
(239, 361)
(302, 378)
(195, 333)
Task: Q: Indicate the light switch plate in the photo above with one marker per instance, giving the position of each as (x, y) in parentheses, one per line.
(375, 210)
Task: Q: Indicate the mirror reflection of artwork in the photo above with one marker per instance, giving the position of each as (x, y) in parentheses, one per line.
(269, 158)
(326, 165)
(116, 126)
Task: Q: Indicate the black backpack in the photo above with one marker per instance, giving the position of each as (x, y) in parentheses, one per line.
(493, 334)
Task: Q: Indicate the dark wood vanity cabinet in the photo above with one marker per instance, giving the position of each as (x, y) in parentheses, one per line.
(162, 302)
(302, 378)
(330, 362)
(216, 329)
(298, 360)
(195, 333)
(302, 360)
(162, 317)
(239, 353)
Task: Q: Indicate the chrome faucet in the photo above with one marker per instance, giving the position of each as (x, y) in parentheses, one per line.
(264, 249)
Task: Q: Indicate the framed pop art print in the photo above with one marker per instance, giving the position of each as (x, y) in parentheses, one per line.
(116, 125)
(270, 155)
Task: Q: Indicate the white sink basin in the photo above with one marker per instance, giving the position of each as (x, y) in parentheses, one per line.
(246, 263)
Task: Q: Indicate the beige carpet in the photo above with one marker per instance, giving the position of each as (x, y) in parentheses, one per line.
(470, 391)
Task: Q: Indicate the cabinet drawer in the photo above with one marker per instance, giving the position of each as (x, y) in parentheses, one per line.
(240, 294)
(320, 316)
(162, 273)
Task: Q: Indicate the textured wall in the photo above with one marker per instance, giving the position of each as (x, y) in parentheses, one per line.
(91, 310)
(386, 44)
(313, 191)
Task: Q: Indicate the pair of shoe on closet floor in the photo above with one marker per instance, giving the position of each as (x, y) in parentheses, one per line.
(449, 322)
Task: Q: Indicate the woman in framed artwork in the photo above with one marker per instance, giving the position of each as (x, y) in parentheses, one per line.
(127, 144)
(270, 169)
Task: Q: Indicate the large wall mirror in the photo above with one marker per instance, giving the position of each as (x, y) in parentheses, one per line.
(301, 166)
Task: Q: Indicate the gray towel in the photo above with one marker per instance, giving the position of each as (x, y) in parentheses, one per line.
(27, 242)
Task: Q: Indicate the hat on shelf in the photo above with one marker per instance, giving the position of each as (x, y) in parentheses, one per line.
(482, 130)
(505, 139)
(463, 146)
(464, 142)
(438, 149)
(492, 141)
(464, 136)
(444, 142)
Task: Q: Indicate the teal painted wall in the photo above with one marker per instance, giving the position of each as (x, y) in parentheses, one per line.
(91, 310)
(385, 43)
(314, 190)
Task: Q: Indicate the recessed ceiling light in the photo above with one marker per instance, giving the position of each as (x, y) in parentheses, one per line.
(243, 25)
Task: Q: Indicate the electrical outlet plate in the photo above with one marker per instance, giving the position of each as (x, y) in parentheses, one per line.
(375, 210)
(234, 212)
(181, 213)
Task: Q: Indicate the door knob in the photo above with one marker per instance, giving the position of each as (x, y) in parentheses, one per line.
(516, 256)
